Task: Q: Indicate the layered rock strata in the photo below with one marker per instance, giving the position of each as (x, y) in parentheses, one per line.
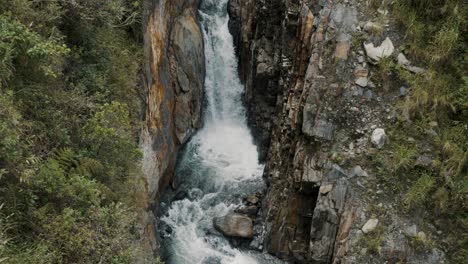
(313, 108)
(174, 79)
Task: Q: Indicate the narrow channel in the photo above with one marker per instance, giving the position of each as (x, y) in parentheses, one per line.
(219, 166)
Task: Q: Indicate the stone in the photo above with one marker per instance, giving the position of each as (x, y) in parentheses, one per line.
(362, 81)
(370, 225)
(386, 49)
(402, 60)
(424, 160)
(195, 194)
(422, 236)
(378, 137)
(402, 91)
(406, 64)
(358, 171)
(411, 231)
(361, 71)
(320, 129)
(336, 172)
(371, 27)
(248, 210)
(342, 50)
(324, 189)
(234, 225)
(252, 199)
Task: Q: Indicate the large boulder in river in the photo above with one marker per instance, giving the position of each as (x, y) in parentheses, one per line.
(234, 225)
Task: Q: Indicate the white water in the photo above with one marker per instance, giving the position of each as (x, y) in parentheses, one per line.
(220, 163)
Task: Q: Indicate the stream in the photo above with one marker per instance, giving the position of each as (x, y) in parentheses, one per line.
(219, 166)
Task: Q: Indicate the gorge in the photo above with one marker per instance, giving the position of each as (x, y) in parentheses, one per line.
(233, 131)
(298, 65)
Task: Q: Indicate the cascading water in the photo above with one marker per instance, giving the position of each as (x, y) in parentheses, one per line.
(219, 165)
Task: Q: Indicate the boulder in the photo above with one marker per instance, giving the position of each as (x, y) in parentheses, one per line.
(234, 225)
(386, 49)
(378, 137)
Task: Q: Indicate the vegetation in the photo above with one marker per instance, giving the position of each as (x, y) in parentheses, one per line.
(69, 107)
(428, 150)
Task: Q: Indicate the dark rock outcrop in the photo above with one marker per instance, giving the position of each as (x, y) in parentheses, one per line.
(312, 108)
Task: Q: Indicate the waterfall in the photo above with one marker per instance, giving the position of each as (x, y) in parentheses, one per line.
(219, 166)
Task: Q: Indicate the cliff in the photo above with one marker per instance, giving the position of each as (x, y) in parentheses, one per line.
(318, 116)
(174, 78)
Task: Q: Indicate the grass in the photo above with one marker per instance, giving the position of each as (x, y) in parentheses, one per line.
(435, 37)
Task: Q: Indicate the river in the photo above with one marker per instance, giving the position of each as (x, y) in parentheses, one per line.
(219, 165)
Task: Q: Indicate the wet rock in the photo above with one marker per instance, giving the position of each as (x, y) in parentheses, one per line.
(252, 199)
(386, 49)
(378, 137)
(234, 225)
(248, 210)
(195, 194)
(180, 195)
(370, 225)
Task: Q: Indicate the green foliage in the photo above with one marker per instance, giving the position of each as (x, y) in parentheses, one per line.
(435, 116)
(373, 241)
(420, 190)
(69, 158)
(20, 43)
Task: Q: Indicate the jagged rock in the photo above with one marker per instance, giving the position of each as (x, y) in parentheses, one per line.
(325, 222)
(378, 137)
(320, 129)
(234, 225)
(370, 225)
(386, 49)
(362, 81)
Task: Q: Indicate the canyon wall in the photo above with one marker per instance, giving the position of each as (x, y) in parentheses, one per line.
(314, 109)
(174, 79)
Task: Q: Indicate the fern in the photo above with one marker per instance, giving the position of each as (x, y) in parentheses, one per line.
(91, 167)
(66, 158)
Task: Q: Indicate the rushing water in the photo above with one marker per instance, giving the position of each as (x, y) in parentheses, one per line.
(219, 165)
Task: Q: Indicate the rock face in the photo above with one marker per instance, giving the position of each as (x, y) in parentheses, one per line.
(174, 78)
(313, 109)
(234, 225)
